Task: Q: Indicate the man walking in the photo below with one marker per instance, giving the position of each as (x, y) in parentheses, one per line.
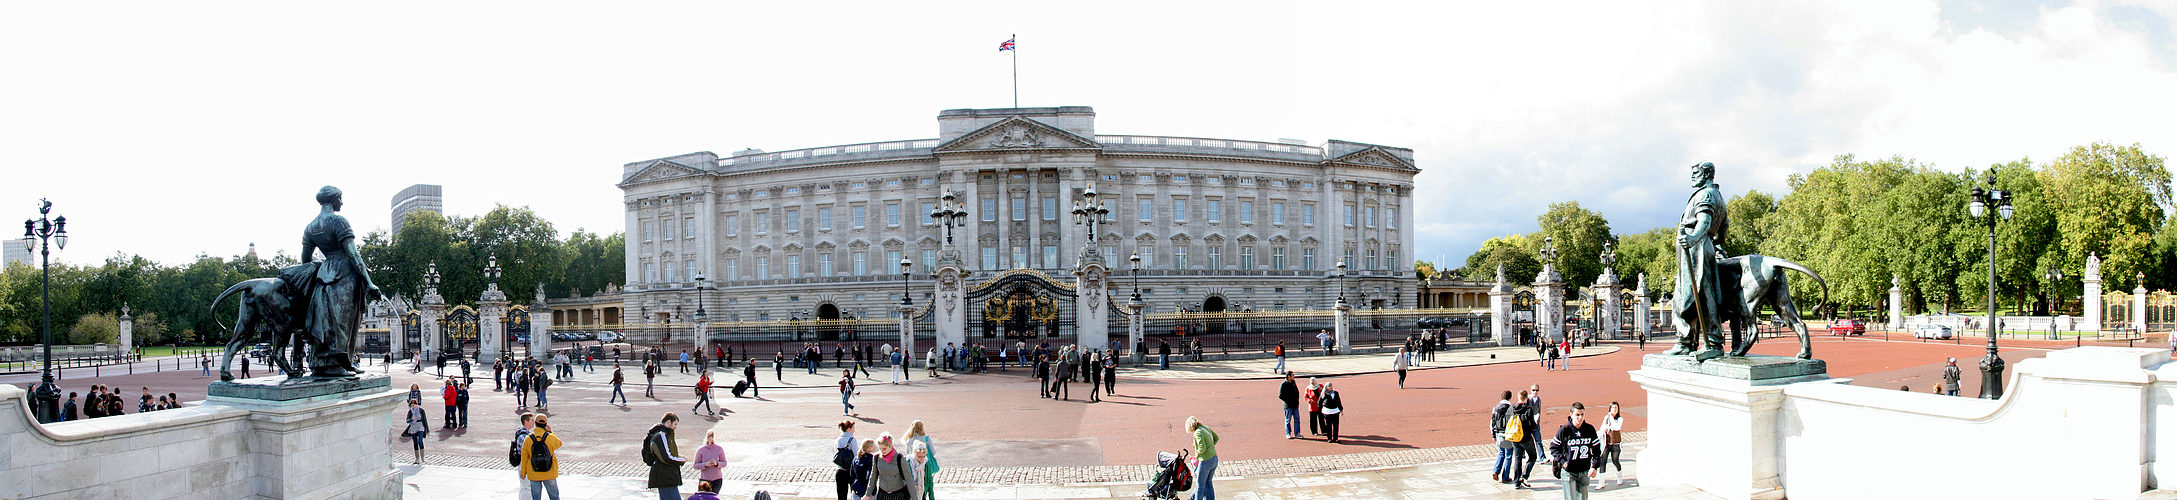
(1324, 337)
(749, 372)
(519, 380)
(1289, 393)
(1502, 471)
(617, 378)
(1950, 378)
(540, 458)
(1280, 350)
(1577, 451)
(1164, 354)
(498, 375)
(1111, 374)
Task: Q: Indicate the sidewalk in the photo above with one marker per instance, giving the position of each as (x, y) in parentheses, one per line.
(1350, 364)
(1444, 479)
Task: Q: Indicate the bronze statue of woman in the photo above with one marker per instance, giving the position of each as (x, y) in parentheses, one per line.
(339, 290)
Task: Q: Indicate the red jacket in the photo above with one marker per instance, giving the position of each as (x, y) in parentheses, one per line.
(452, 396)
(703, 384)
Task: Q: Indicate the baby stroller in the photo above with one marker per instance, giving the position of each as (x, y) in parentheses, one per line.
(1172, 476)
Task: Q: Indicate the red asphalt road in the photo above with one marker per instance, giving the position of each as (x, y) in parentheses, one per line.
(997, 420)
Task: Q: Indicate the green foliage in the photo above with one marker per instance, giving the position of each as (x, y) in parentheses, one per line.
(2108, 200)
(95, 328)
(1424, 269)
(1579, 234)
(1511, 252)
(1653, 253)
(1746, 214)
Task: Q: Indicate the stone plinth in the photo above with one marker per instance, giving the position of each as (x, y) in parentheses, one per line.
(952, 311)
(307, 439)
(1092, 318)
(1341, 328)
(1714, 425)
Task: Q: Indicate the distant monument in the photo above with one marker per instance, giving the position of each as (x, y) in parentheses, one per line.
(1712, 290)
(311, 311)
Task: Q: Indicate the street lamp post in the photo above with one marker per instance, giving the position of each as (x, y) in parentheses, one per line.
(701, 317)
(949, 214)
(1991, 367)
(1136, 260)
(46, 234)
(1341, 282)
(1087, 212)
(906, 272)
(2054, 276)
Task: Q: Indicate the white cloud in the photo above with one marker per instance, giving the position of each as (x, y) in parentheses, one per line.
(168, 130)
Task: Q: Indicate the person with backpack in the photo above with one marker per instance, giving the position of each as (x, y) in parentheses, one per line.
(540, 460)
(890, 475)
(662, 453)
(858, 475)
(1526, 446)
(514, 451)
(703, 395)
(1498, 417)
(1577, 450)
(419, 425)
(1280, 351)
(850, 472)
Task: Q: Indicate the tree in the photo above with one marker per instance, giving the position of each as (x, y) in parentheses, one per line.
(2108, 200)
(95, 328)
(1652, 253)
(1745, 214)
(148, 329)
(1579, 235)
(1424, 269)
(1511, 252)
(593, 263)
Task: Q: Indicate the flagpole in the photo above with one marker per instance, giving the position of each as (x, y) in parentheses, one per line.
(1016, 69)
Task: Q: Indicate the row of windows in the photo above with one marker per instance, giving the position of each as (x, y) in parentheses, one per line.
(858, 216)
(1046, 257)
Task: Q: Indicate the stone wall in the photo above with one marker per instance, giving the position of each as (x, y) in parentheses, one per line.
(329, 448)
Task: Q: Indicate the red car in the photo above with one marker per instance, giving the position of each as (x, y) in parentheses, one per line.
(1847, 327)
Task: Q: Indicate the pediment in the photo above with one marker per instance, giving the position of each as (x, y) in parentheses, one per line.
(1017, 133)
(1377, 157)
(661, 170)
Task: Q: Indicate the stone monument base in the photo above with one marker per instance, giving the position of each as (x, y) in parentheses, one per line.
(1713, 425)
(318, 438)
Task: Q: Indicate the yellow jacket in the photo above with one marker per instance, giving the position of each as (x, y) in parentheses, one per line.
(551, 443)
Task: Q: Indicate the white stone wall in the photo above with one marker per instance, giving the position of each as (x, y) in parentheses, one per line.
(334, 449)
(2079, 423)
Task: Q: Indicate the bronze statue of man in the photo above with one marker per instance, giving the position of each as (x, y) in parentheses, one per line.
(1698, 294)
(338, 291)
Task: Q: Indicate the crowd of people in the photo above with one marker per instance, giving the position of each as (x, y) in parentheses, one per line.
(1576, 452)
(104, 401)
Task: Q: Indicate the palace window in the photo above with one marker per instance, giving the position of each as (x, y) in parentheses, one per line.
(1216, 257)
(823, 218)
(824, 265)
(892, 214)
(793, 266)
(1179, 257)
(763, 267)
(860, 214)
(892, 262)
(1050, 208)
(1050, 256)
(1146, 209)
(733, 225)
(1247, 212)
(861, 263)
(1307, 259)
(793, 220)
(1277, 258)
(1213, 210)
(687, 227)
(990, 210)
(1307, 214)
(1349, 215)
(1247, 258)
(927, 207)
(668, 230)
(733, 269)
(990, 258)
(1020, 208)
(1179, 210)
(1277, 212)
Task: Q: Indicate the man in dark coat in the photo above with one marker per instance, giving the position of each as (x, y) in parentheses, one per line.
(662, 454)
(1289, 393)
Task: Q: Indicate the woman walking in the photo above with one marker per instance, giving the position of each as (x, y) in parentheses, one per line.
(843, 458)
(846, 392)
(1400, 363)
(1093, 370)
(1205, 452)
(418, 425)
(927, 460)
(1613, 436)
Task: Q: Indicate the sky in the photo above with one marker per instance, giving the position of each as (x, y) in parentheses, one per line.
(171, 129)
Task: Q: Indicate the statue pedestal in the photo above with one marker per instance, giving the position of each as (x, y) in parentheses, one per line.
(313, 438)
(1714, 425)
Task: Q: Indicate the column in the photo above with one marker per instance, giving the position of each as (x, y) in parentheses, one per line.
(1500, 311)
(1640, 307)
(1092, 327)
(951, 313)
(1341, 315)
(1549, 291)
(1134, 331)
(128, 331)
(907, 332)
(2139, 305)
(1607, 319)
(397, 338)
(491, 322)
(1897, 304)
(540, 330)
(2091, 295)
(434, 309)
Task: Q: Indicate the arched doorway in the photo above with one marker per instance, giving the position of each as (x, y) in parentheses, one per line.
(827, 321)
(1211, 306)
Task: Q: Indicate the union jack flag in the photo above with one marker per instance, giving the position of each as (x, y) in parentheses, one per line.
(1008, 45)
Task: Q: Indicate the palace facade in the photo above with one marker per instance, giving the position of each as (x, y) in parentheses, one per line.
(820, 233)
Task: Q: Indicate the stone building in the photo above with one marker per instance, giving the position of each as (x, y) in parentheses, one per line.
(1219, 225)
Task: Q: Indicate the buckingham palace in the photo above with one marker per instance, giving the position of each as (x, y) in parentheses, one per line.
(821, 234)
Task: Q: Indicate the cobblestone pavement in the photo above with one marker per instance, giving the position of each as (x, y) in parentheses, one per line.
(1450, 472)
(1352, 364)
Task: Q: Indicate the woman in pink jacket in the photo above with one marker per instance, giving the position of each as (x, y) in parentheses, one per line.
(710, 460)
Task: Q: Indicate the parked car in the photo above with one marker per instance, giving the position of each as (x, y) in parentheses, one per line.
(610, 336)
(1847, 327)
(1427, 323)
(1939, 332)
(260, 350)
